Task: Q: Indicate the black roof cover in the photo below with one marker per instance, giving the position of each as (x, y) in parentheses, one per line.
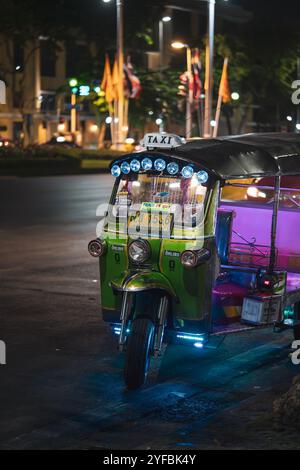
(242, 156)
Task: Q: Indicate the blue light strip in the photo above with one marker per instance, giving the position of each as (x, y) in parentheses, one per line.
(190, 337)
(159, 165)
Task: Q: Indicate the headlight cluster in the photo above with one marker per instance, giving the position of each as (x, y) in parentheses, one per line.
(191, 258)
(97, 248)
(139, 251)
(159, 165)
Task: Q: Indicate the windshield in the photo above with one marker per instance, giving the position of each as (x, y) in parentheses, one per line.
(158, 206)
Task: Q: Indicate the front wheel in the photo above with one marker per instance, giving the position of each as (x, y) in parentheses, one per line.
(138, 351)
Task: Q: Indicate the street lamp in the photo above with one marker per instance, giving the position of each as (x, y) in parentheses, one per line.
(189, 95)
(165, 19)
(73, 82)
(209, 70)
(235, 96)
(120, 60)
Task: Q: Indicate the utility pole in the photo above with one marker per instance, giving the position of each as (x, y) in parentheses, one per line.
(73, 114)
(189, 94)
(209, 68)
(298, 76)
(120, 56)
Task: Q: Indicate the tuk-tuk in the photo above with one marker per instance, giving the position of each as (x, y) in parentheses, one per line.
(185, 255)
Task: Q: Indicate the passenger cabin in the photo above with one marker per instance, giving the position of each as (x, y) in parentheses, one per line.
(251, 224)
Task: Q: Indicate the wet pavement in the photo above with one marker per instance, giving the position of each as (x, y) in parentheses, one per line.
(62, 385)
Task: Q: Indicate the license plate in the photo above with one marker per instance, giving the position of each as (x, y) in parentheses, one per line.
(154, 223)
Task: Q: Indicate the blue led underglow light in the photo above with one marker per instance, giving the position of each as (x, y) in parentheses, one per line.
(135, 165)
(116, 171)
(190, 337)
(159, 164)
(147, 164)
(202, 176)
(198, 345)
(187, 171)
(125, 168)
(173, 168)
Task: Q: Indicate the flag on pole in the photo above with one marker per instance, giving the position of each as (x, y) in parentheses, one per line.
(206, 69)
(224, 90)
(224, 95)
(196, 71)
(132, 86)
(107, 83)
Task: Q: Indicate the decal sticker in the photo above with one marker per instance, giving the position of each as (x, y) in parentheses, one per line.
(156, 206)
(117, 248)
(172, 265)
(123, 199)
(174, 254)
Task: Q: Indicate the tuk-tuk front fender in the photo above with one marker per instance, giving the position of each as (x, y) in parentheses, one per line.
(143, 281)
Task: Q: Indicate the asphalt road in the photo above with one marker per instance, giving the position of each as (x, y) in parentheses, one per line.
(62, 385)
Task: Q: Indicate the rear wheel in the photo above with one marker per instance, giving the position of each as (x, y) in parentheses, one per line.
(297, 327)
(138, 351)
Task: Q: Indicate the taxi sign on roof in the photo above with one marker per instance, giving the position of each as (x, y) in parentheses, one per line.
(161, 140)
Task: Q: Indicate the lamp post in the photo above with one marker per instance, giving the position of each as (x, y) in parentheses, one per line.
(73, 85)
(189, 94)
(162, 21)
(209, 68)
(120, 60)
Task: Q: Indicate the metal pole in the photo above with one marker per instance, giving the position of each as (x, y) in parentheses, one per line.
(274, 224)
(120, 56)
(209, 71)
(298, 107)
(161, 44)
(189, 95)
(73, 113)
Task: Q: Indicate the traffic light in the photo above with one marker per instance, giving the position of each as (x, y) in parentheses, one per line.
(73, 82)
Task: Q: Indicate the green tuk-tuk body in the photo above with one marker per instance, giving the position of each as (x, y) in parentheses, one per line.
(164, 251)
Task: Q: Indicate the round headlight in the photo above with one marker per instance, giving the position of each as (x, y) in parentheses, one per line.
(97, 248)
(135, 165)
(188, 259)
(116, 171)
(139, 251)
(187, 171)
(173, 168)
(146, 164)
(191, 259)
(159, 164)
(202, 176)
(125, 168)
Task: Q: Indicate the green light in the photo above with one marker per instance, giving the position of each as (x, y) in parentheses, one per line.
(73, 82)
(74, 90)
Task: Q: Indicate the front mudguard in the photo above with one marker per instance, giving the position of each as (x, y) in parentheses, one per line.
(143, 281)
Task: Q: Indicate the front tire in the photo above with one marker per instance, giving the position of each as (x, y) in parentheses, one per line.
(138, 352)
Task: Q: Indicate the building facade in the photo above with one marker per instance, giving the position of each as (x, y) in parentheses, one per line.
(37, 102)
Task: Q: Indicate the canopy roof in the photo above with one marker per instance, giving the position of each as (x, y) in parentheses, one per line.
(242, 156)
